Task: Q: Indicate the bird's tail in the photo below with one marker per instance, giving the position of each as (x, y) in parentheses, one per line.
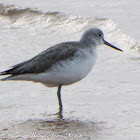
(11, 72)
(6, 78)
(14, 71)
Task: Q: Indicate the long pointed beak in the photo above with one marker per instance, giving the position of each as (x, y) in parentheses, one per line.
(112, 46)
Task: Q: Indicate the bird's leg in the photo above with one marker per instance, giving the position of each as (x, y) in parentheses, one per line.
(59, 98)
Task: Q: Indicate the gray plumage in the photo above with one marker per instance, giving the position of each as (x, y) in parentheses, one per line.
(43, 61)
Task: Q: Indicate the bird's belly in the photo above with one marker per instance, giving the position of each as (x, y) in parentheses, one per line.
(66, 72)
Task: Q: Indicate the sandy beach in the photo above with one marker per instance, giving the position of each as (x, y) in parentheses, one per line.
(104, 105)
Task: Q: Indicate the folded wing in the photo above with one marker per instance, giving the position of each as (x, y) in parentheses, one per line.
(44, 60)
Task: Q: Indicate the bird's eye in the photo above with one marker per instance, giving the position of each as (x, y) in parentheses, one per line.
(99, 35)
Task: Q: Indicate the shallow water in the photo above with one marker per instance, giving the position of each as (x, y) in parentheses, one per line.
(104, 105)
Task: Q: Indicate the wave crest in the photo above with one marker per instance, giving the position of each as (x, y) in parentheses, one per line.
(71, 23)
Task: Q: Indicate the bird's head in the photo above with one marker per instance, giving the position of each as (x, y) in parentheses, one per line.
(96, 36)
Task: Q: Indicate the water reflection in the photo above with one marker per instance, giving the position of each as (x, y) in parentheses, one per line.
(58, 129)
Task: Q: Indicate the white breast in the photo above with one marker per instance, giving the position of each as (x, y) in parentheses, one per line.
(68, 72)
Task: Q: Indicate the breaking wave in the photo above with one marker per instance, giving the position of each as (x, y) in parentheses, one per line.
(18, 17)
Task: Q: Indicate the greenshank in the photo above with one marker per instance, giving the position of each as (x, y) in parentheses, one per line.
(61, 64)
